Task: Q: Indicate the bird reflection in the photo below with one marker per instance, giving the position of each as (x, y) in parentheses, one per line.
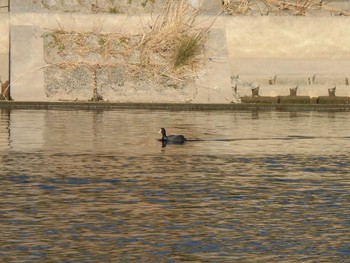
(165, 143)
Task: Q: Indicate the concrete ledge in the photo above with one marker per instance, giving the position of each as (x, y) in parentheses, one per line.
(278, 99)
(13, 105)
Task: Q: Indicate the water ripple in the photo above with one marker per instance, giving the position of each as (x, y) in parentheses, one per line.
(206, 201)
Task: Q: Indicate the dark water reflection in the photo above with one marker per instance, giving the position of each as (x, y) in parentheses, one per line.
(86, 186)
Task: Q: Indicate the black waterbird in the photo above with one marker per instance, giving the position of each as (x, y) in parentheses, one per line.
(171, 139)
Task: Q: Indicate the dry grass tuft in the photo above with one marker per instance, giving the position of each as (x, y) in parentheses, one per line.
(176, 37)
(186, 50)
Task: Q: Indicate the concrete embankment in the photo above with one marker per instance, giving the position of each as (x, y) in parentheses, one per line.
(33, 105)
(249, 59)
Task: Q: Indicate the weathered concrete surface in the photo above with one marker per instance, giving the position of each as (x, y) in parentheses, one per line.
(28, 68)
(27, 60)
(74, 83)
(21, 5)
(259, 47)
(290, 51)
(113, 84)
(138, 91)
(215, 85)
(264, 44)
(4, 46)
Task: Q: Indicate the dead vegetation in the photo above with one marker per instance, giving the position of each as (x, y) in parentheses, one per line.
(172, 46)
(289, 7)
(175, 38)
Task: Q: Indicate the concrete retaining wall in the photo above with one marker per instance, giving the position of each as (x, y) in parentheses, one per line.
(275, 52)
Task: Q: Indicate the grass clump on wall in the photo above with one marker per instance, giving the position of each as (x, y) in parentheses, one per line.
(188, 47)
(175, 37)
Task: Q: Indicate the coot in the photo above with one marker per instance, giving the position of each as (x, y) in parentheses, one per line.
(175, 139)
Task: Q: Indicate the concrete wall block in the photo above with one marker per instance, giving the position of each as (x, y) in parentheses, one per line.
(342, 90)
(90, 48)
(244, 91)
(287, 37)
(110, 81)
(51, 50)
(4, 6)
(208, 6)
(52, 5)
(339, 4)
(293, 79)
(21, 5)
(27, 63)
(247, 79)
(265, 90)
(313, 90)
(117, 83)
(330, 79)
(215, 86)
(4, 47)
(275, 90)
(69, 83)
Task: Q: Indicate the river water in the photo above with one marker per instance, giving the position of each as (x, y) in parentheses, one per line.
(97, 186)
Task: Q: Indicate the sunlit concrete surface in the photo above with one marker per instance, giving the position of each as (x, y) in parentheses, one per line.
(4, 42)
(268, 50)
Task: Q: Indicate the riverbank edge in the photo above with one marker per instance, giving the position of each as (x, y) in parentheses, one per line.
(67, 105)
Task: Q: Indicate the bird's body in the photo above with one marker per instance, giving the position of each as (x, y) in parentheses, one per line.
(174, 139)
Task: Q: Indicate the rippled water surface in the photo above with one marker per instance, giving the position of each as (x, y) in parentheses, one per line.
(97, 186)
